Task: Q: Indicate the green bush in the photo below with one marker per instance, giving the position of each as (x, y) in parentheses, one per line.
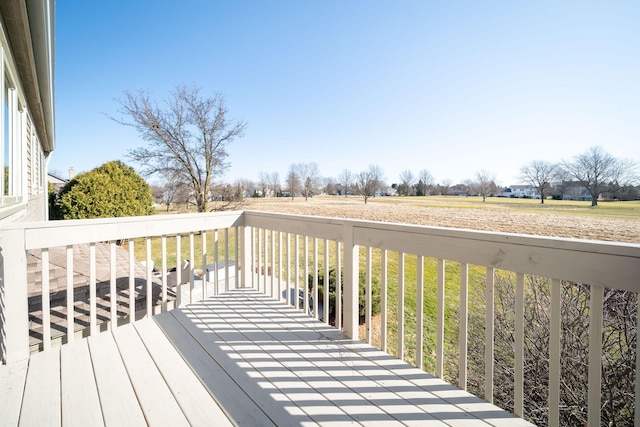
(111, 190)
(375, 293)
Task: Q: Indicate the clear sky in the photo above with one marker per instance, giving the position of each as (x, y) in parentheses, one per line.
(449, 86)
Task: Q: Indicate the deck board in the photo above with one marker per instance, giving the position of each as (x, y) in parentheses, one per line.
(79, 394)
(192, 396)
(277, 406)
(240, 358)
(220, 382)
(156, 400)
(12, 380)
(118, 400)
(41, 401)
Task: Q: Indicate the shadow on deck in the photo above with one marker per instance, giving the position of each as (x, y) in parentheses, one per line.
(237, 358)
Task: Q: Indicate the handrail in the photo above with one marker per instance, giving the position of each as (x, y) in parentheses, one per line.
(614, 265)
(68, 232)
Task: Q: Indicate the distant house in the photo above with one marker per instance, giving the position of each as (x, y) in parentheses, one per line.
(573, 190)
(521, 192)
(56, 181)
(460, 190)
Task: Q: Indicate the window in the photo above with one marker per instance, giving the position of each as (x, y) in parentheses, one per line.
(10, 148)
(6, 125)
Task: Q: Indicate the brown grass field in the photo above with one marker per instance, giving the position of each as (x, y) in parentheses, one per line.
(609, 221)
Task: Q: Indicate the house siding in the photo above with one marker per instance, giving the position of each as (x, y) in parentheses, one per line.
(22, 153)
(28, 157)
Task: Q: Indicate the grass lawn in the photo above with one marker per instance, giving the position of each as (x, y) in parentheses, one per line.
(629, 210)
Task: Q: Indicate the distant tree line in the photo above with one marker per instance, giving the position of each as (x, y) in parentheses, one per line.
(595, 170)
(597, 173)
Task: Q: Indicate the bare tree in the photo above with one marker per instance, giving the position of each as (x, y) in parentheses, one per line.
(309, 175)
(539, 174)
(378, 178)
(227, 196)
(597, 170)
(293, 181)
(426, 177)
(187, 136)
(175, 189)
(274, 183)
(485, 184)
(346, 179)
(175, 192)
(330, 186)
(367, 182)
(263, 183)
(562, 181)
(245, 187)
(407, 179)
(444, 187)
(618, 350)
(425, 182)
(156, 192)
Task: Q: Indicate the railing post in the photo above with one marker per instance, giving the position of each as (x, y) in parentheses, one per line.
(489, 334)
(351, 279)
(14, 306)
(555, 332)
(595, 355)
(246, 255)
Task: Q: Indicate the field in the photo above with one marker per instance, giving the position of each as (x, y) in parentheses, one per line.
(609, 221)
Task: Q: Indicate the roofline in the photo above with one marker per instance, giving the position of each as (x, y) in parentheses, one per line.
(57, 177)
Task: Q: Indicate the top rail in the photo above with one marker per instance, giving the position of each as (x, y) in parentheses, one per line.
(612, 265)
(62, 233)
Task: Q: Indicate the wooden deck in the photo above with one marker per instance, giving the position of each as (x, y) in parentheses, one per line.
(240, 358)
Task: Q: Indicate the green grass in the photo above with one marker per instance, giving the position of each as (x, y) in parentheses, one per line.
(185, 251)
(627, 210)
(451, 304)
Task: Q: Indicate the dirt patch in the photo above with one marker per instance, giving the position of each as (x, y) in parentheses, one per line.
(487, 219)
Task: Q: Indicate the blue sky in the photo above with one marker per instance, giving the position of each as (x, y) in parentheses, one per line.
(449, 86)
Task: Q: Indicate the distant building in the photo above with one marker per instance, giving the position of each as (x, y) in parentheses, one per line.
(573, 190)
(56, 181)
(460, 190)
(521, 192)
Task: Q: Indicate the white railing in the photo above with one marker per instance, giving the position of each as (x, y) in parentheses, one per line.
(600, 265)
(18, 240)
(275, 253)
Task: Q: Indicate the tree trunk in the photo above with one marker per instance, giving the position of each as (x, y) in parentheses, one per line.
(201, 202)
